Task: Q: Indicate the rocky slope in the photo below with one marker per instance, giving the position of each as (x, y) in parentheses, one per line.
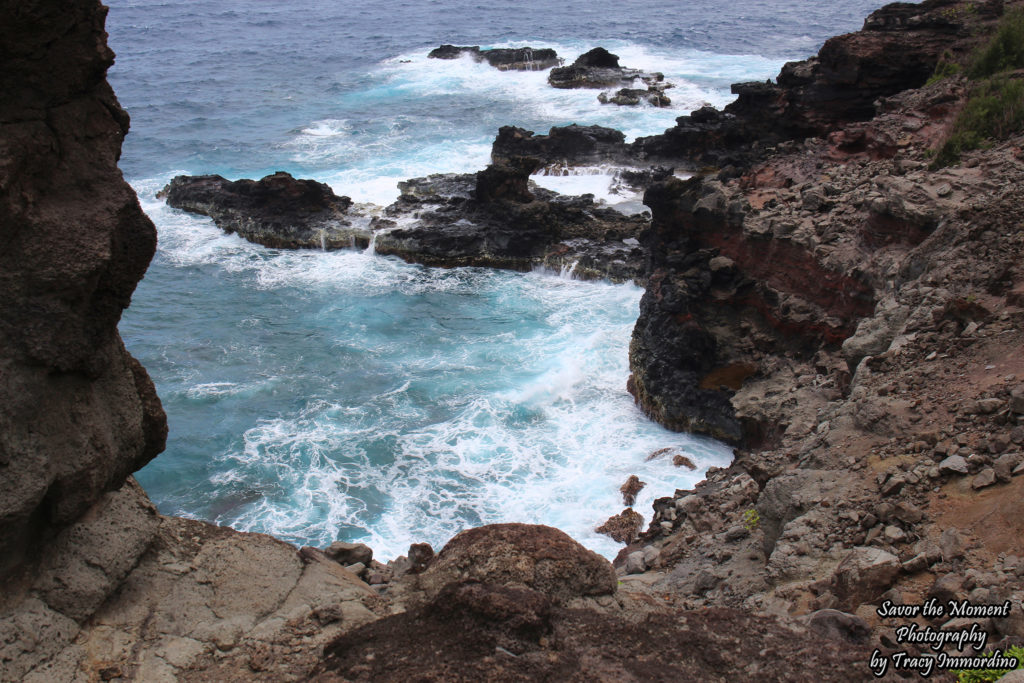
(852, 319)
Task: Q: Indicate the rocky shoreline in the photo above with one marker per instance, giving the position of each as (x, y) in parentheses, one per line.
(819, 295)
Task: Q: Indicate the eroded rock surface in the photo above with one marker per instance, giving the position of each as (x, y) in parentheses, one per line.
(538, 557)
(496, 218)
(79, 414)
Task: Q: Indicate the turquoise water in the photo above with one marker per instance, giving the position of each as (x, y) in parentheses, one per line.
(322, 396)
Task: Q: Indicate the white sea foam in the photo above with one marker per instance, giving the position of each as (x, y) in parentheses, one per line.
(523, 419)
(453, 109)
(553, 447)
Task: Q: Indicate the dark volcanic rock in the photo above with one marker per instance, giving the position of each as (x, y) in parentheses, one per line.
(598, 69)
(484, 635)
(623, 527)
(493, 218)
(79, 414)
(897, 49)
(598, 58)
(653, 95)
(564, 145)
(503, 58)
(277, 211)
(703, 318)
(453, 51)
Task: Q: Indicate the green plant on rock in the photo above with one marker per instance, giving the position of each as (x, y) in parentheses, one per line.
(751, 519)
(946, 67)
(990, 675)
(1004, 51)
(995, 102)
(994, 110)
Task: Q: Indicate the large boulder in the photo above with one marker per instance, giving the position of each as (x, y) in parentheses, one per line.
(541, 558)
(864, 575)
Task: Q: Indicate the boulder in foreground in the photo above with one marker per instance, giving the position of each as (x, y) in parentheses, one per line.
(538, 557)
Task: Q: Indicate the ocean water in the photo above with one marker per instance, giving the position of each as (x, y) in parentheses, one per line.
(323, 396)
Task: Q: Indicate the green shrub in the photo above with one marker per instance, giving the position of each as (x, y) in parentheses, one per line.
(994, 110)
(1005, 51)
(751, 520)
(990, 675)
(947, 66)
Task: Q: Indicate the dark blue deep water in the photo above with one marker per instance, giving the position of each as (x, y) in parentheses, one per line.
(323, 396)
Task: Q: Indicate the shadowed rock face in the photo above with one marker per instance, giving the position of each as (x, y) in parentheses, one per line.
(473, 636)
(79, 413)
(598, 68)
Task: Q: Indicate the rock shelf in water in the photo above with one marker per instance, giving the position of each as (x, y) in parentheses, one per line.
(491, 218)
(502, 58)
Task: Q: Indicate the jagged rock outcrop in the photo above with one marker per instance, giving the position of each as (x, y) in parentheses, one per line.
(897, 49)
(277, 211)
(599, 68)
(564, 145)
(879, 412)
(495, 218)
(722, 292)
(628, 97)
(502, 58)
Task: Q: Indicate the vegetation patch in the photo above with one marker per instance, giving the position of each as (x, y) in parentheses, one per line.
(994, 110)
(995, 102)
(990, 675)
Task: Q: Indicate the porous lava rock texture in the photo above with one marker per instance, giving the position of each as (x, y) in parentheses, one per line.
(79, 413)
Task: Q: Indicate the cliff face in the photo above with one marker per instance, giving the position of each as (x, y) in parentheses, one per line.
(79, 413)
(853, 318)
(779, 256)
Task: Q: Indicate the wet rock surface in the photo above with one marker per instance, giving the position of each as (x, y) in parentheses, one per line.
(276, 211)
(79, 413)
(505, 59)
(496, 218)
(599, 68)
